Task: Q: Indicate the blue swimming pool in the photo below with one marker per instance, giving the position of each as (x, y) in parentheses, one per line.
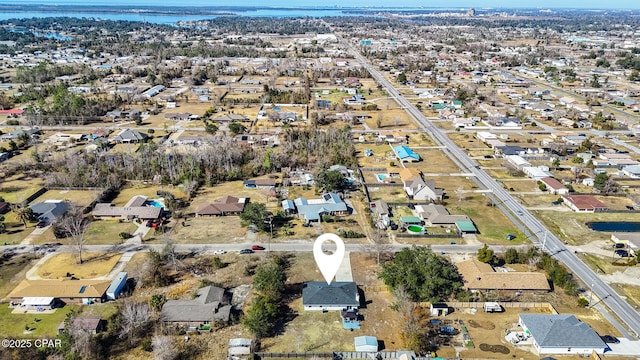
(154, 203)
(276, 108)
(381, 177)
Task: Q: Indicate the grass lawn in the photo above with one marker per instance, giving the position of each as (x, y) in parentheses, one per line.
(604, 264)
(94, 264)
(492, 224)
(102, 232)
(571, 227)
(16, 188)
(13, 325)
(382, 155)
(631, 292)
(433, 161)
(204, 230)
(12, 271)
(524, 186)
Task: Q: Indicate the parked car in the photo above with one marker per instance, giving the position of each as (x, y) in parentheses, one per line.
(246, 251)
(220, 252)
(257, 247)
(622, 253)
(41, 224)
(619, 245)
(610, 339)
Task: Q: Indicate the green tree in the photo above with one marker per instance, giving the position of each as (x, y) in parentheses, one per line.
(156, 301)
(332, 180)
(577, 160)
(600, 181)
(555, 163)
(424, 275)
(485, 254)
(402, 78)
(24, 214)
(512, 256)
(260, 320)
(237, 128)
(269, 280)
(210, 128)
(255, 213)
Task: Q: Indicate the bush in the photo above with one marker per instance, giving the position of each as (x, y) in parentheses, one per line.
(145, 344)
(124, 235)
(350, 234)
(13, 122)
(583, 302)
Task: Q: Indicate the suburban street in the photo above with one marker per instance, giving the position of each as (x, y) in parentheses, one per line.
(537, 232)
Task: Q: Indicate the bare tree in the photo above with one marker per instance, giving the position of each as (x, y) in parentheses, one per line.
(532, 261)
(460, 193)
(75, 225)
(163, 347)
(135, 317)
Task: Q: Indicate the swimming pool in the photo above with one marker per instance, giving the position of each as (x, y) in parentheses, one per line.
(381, 177)
(154, 203)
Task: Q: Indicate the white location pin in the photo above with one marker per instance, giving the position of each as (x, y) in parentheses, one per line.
(328, 264)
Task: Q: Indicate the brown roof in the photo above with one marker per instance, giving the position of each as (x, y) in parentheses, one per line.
(586, 202)
(64, 288)
(223, 205)
(552, 183)
(480, 276)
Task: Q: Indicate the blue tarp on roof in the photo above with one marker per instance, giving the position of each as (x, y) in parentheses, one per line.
(404, 152)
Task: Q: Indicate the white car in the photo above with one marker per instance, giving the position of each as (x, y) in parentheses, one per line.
(220, 252)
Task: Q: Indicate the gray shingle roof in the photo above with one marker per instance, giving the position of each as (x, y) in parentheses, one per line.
(561, 330)
(318, 293)
(50, 210)
(207, 306)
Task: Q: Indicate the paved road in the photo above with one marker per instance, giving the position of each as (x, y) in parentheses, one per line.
(535, 230)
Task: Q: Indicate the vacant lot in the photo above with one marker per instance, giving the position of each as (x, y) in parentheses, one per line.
(205, 230)
(433, 161)
(94, 264)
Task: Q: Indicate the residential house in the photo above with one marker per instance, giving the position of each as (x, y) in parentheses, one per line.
(301, 178)
(405, 154)
(584, 203)
(4, 207)
(435, 214)
(35, 293)
(518, 161)
(509, 150)
(318, 295)
(561, 334)
(313, 209)
(129, 136)
(537, 172)
(632, 171)
(478, 276)
(88, 324)
(50, 211)
(227, 118)
(631, 239)
(136, 208)
(420, 189)
(554, 186)
(16, 134)
(177, 116)
(226, 205)
(392, 137)
(210, 305)
(380, 213)
(259, 183)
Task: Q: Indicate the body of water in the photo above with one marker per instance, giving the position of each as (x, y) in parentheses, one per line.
(172, 18)
(615, 226)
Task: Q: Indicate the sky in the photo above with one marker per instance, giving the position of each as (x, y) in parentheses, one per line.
(478, 4)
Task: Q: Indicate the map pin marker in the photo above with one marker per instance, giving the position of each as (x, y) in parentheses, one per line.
(328, 264)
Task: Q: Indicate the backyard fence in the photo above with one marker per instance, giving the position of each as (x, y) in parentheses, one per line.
(506, 305)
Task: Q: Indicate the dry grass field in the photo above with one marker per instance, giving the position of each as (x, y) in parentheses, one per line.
(571, 227)
(150, 191)
(433, 161)
(18, 187)
(77, 197)
(94, 264)
(101, 232)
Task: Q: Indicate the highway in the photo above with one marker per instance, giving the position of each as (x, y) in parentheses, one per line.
(537, 232)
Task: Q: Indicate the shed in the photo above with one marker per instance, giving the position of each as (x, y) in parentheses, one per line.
(366, 343)
(439, 309)
(116, 286)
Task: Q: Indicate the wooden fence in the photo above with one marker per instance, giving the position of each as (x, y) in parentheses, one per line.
(506, 305)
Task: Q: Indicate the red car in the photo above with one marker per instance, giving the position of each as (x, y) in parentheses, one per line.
(257, 247)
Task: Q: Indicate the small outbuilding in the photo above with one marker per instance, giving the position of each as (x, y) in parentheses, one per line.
(439, 309)
(492, 307)
(366, 343)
